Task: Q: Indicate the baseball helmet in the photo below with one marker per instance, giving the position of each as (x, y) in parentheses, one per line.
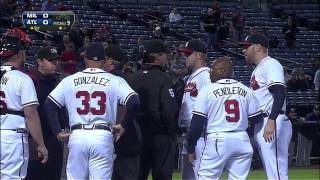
(12, 41)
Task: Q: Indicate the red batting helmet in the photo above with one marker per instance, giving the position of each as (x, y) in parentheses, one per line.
(12, 41)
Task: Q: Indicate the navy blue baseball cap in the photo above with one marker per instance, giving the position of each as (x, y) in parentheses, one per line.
(49, 53)
(95, 52)
(255, 39)
(194, 45)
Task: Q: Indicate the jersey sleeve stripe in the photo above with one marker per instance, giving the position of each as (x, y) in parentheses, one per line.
(199, 113)
(55, 101)
(125, 101)
(254, 114)
(30, 103)
(276, 83)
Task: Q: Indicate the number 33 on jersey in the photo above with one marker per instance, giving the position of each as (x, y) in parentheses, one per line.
(91, 96)
(234, 99)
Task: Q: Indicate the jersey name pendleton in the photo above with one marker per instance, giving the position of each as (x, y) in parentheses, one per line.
(229, 90)
(91, 80)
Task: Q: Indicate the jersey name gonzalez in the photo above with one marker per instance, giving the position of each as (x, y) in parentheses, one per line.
(91, 96)
(91, 80)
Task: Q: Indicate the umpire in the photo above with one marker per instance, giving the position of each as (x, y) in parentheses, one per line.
(128, 147)
(157, 115)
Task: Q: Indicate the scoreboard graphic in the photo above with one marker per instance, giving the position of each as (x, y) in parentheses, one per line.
(48, 20)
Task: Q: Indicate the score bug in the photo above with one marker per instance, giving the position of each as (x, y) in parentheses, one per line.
(48, 20)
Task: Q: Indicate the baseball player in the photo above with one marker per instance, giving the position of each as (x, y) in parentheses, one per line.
(196, 53)
(18, 108)
(267, 82)
(91, 98)
(225, 106)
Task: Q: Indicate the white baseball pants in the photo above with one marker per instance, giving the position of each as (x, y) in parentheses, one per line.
(190, 172)
(90, 155)
(274, 155)
(229, 150)
(14, 155)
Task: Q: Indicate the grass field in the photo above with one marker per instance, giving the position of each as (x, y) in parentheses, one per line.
(294, 174)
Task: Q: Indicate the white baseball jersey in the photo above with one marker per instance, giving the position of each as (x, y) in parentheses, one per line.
(197, 80)
(91, 96)
(274, 154)
(227, 104)
(17, 91)
(267, 73)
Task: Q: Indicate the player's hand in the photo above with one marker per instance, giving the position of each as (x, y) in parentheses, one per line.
(63, 136)
(191, 158)
(42, 153)
(269, 130)
(117, 130)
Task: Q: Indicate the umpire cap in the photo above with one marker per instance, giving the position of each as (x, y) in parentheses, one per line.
(115, 52)
(95, 52)
(153, 46)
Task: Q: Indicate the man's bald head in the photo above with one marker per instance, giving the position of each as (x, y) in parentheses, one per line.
(221, 68)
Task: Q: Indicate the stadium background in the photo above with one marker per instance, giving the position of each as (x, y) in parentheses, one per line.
(128, 20)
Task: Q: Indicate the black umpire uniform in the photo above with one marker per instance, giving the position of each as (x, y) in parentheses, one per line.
(128, 147)
(44, 84)
(157, 117)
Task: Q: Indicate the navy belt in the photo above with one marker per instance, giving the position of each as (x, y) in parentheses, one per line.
(226, 132)
(267, 114)
(8, 111)
(93, 127)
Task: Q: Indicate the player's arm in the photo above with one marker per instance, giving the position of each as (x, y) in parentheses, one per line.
(198, 120)
(276, 86)
(30, 102)
(278, 93)
(197, 123)
(33, 123)
(53, 103)
(52, 110)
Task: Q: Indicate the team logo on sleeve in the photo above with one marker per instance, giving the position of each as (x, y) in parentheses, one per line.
(192, 88)
(171, 92)
(253, 83)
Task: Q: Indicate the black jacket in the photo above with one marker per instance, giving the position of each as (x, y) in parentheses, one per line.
(44, 84)
(130, 142)
(158, 102)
